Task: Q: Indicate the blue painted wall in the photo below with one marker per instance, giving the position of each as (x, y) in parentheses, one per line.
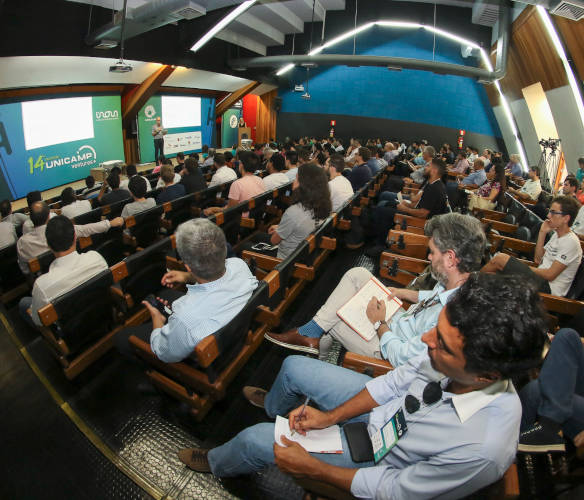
(409, 95)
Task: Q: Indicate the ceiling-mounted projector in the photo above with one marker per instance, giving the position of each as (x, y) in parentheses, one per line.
(299, 88)
(120, 67)
(306, 95)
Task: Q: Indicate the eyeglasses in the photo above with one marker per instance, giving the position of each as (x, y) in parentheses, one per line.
(555, 212)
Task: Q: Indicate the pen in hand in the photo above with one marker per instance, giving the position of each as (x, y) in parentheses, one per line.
(301, 413)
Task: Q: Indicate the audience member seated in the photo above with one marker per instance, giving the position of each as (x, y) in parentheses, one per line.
(514, 166)
(159, 162)
(209, 159)
(72, 207)
(311, 205)
(176, 176)
(477, 177)
(531, 188)
(570, 186)
(379, 154)
(34, 243)
(180, 163)
(217, 289)
(339, 186)
(430, 201)
(461, 166)
(360, 174)
(89, 185)
(486, 157)
(16, 219)
(291, 165)
(8, 224)
(557, 260)
(373, 163)
(171, 190)
(418, 170)
(457, 243)
(449, 449)
(354, 145)
(132, 171)
(249, 185)
(223, 173)
(276, 166)
(192, 178)
(391, 152)
(31, 198)
(116, 194)
(492, 191)
(554, 402)
(137, 187)
(67, 271)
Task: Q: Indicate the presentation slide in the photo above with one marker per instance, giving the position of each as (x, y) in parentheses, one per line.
(189, 121)
(180, 111)
(50, 142)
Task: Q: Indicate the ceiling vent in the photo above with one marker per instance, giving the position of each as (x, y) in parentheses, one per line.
(573, 10)
(485, 13)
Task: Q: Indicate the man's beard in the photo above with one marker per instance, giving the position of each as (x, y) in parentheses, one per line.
(438, 276)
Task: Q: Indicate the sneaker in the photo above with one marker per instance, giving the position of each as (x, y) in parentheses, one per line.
(255, 395)
(293, 340)
(540, 438)
(195, 459)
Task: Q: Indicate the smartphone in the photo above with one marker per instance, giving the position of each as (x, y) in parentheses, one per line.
(154, 302)
(263, 246)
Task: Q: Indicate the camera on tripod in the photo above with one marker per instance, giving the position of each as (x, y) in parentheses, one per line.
(550, 143)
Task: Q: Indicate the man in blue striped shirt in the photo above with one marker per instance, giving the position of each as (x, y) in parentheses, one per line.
(217, 289)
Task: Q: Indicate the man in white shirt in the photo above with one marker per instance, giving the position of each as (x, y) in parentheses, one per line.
(223, 173)
(67, 271)
(557, 260)
(34, 243)
(72, 207)
(9, 224)
(339, 186)
(132, 171)
(578, 226)
(210, 159)
(532, 187)
(276, 168)
(291, 165)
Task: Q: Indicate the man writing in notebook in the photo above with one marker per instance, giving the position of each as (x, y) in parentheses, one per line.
(457, 243)
(460, 441)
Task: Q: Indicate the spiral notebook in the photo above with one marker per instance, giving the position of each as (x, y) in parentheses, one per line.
(354, 314)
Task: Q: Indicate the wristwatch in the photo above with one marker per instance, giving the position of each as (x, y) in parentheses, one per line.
(378, 324)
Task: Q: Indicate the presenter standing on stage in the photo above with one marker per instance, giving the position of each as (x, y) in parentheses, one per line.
(158, 133)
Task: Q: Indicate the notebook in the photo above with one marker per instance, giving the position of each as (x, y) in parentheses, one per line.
(354, 314)
(318, 441)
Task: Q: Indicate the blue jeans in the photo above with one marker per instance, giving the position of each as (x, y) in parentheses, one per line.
(23, 307)
(328, 387)
(387, 198)
(558, 392)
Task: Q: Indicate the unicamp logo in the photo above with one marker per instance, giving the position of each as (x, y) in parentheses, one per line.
(233, 121)
(101, 116)
(85, 156)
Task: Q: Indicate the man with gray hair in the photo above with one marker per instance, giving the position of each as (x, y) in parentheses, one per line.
(456, 246)
(418, 170)
(217, 289)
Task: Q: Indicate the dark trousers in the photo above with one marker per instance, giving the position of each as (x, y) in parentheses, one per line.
(158, 148)
(383, 222)
(558, 392)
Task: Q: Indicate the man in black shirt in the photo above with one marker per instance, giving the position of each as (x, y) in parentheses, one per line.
(193, 180)
(431, 201)
(116, 194)
(180, 163)
(171, 191)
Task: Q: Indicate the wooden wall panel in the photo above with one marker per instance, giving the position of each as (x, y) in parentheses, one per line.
(572, 33)
(266, 122)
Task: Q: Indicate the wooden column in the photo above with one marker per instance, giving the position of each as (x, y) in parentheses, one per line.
(234, 97)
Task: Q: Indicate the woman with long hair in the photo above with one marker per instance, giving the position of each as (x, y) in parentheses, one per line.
(492, 191)
(311, 205)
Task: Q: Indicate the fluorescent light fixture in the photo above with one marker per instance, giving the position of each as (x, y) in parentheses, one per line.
(285, 69)
(511, 121)
(451, 36)
(562, 55)
(398, 24)
(340, 38)
(222, 24)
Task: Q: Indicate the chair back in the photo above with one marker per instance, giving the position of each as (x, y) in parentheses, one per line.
(10, 273)
(145, 225)
(88, 217)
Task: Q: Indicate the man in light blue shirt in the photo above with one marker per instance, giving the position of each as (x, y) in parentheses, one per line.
(476, 178)
(456, 244)
(217, 289)
(455, 443)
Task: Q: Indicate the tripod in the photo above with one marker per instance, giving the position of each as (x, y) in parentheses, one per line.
(549, 163)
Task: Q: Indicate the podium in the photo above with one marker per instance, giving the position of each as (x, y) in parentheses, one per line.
(243, 133)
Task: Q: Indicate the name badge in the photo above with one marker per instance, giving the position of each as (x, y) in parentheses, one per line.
(387, 437)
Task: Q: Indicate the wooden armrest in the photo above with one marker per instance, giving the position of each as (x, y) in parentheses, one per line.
(364, 364)
(561, 305)
(174, 264)
(207, 351)
(512, 243)
(410, 220)
(500, 226)
(84, 242)
(129, 240)
(405, 263)
(263, 261)
(489, 214)
(125, 297)
(48, 315)
(247, 222)
(34, 265)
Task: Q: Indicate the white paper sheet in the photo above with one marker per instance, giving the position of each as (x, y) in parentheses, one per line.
(318, 441)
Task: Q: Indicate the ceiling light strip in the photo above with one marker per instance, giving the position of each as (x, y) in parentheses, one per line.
(551, 30)
(222, 24)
